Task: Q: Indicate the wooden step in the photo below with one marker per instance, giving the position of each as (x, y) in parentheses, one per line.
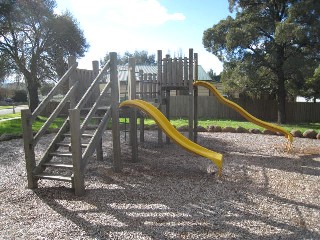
(91, 127)
(58, 165)
(50, 176)
(61, 154)
(62, 144)
(85, 135)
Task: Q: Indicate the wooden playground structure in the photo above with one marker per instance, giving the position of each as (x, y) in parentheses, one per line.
(93, 99)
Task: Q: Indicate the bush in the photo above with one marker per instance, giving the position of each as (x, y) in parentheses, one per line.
(20, 96)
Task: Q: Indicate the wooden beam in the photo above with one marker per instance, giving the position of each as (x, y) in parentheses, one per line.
(133, 117)
(117, 164)
(78, 175)
(28, 147)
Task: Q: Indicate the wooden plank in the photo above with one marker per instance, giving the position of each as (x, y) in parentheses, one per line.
(195, 100)
(28, 147)
(133, 117)
(141, 83)
(78, 177)
(185, 72)
(54, 90)
(161, 93)
(54, 177)
(150, 87)
(54, 114)
(117, 164)
(191, 104)
(58, 165)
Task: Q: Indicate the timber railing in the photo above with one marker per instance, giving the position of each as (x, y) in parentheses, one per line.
(74, 124)
(28, 118)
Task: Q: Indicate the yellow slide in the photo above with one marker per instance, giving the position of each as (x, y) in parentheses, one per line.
(244, 113)
(174, 134)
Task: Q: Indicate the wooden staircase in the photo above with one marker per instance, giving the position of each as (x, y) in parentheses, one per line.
(67, 156)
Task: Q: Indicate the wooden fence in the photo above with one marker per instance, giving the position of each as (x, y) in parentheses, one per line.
(210, 107)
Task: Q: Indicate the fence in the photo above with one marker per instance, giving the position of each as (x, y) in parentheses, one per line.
(209, 107)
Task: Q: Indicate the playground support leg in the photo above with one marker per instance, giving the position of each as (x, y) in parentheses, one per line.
(78, 176)
(195, 118)
(141, 129)
(28, 147)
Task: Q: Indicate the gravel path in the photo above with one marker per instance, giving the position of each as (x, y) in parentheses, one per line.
(265, 193)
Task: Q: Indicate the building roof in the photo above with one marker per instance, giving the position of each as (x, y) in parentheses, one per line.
(123, 72)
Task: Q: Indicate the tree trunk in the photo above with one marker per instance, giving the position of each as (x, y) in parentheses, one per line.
(33, 95)
(281, 99)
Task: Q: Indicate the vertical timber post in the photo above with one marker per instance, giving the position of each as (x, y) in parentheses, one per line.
(191, 105)
(133, 115)
(78, 175)
(95, 68)
(141, 95)
(72, 80)
(160, 93)
(168, 81)
(195, 102)
(28, 147)
(117, 164)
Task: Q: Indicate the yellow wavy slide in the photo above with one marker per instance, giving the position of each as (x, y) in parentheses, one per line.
(244, 113)
(173, 133)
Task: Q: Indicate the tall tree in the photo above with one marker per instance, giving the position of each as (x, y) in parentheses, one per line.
(271, 44)
(312, 87)
(37, 41)
(141, 57)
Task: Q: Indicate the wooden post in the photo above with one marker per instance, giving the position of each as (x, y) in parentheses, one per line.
(133, 116)
(150, 83)
(180, 72)
(72, 80)
(141, 129)
(185, 72)
(28, 147)
(170, 78)
(95, 68)
(117, 164)
(167, 111)
(141, 84)
(160, 92)
(145, 85)
(191, 104)
(174, 72)
(155, 86)
(195, 102)
(78, 175)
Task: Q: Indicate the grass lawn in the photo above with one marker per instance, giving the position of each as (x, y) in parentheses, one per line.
(5, 107)
(14, 126)
(229, 123)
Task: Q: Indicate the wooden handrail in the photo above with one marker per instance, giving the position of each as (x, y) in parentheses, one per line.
(90, 90)
(54, 114)
(93, 142)
(47, 99)
(94, 107)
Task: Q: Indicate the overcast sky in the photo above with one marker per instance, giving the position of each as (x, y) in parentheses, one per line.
(128, 25)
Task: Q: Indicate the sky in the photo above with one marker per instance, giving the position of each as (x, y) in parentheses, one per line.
(172, 26)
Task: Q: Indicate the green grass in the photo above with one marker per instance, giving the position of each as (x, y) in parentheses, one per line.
(5, 107)
(13, 126)
(11, 115)
(229, 123)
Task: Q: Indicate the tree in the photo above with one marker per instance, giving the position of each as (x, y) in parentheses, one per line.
(271, 45)
(312, 87)
(37, 41)
(141, 57)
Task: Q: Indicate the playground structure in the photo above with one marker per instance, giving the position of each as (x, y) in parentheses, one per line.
(94, 98)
